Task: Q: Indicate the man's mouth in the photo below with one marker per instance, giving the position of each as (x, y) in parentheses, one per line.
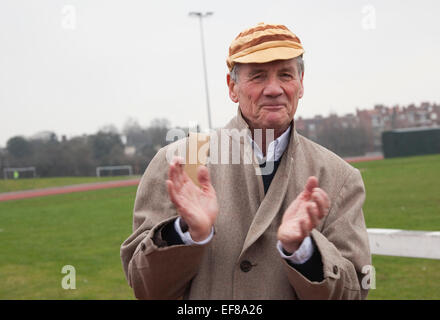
(272, 107)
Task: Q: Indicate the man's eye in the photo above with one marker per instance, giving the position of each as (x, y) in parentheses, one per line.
(287, 75)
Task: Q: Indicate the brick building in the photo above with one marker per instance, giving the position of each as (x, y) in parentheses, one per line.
(383, 118)
(370, 123)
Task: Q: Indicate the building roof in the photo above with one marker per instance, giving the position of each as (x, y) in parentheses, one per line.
(415, 129)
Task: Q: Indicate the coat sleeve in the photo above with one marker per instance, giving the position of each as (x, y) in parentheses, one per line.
(153, 269)
(343, 245)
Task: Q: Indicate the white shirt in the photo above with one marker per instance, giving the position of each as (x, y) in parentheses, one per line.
(274, 152)
(275, 149)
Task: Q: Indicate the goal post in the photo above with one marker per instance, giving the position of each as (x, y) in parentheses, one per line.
(114, 170)
(17, 173)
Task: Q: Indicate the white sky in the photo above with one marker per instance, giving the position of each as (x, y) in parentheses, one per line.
(142, 59)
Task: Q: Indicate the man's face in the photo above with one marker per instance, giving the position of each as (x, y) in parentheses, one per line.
(267, 93)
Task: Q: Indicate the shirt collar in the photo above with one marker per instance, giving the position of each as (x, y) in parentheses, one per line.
(275, 150)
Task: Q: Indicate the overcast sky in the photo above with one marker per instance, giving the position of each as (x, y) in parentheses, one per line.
(75, 66)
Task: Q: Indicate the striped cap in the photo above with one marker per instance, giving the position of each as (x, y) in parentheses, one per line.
(264, 43)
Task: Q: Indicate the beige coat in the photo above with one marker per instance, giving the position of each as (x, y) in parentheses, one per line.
(246, 229)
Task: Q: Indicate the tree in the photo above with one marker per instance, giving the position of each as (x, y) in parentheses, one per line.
(349, 141)
(160, 123)
(79, 156)
(135, 135)
(106, 144)
(19, 147)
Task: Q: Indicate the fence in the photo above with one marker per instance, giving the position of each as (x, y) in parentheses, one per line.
(112, 169)
(405, 243)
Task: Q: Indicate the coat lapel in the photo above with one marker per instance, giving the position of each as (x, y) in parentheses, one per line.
(246, 151)
(272, 201)
(270, 204)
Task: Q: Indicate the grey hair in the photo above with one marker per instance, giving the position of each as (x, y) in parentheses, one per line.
(299, 63)
(234, 73)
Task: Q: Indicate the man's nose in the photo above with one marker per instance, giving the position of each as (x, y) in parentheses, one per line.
(272, 88)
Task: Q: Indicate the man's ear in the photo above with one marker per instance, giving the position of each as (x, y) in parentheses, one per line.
(232, 88)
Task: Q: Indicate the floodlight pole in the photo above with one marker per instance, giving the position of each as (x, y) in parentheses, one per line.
(201, 15)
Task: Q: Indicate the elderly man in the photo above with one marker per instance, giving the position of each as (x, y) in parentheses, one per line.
(294, 232)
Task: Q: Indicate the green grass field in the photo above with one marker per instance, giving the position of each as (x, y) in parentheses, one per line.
(403, 193)
(40, 235)
(84, 229)
(27, 184)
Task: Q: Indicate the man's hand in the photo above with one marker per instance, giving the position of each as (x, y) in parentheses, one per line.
(198, 207)
(303, 214)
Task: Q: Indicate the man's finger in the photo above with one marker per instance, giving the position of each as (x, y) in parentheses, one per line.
(172, 193)
(178, 160)
(203, 178)
(182, 174)
(178, 201)
(173, 174)
(321, 199)
(313, 212)
(177, 174)
(312, 182)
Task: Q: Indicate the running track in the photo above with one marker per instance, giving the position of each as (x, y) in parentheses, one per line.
(67, 189)
(104, 185)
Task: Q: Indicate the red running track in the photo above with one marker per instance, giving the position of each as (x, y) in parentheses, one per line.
(67, 189)
(361, 159)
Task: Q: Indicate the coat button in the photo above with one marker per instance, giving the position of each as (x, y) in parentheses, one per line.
(335, 269)
(142, 246)
(245, 266)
